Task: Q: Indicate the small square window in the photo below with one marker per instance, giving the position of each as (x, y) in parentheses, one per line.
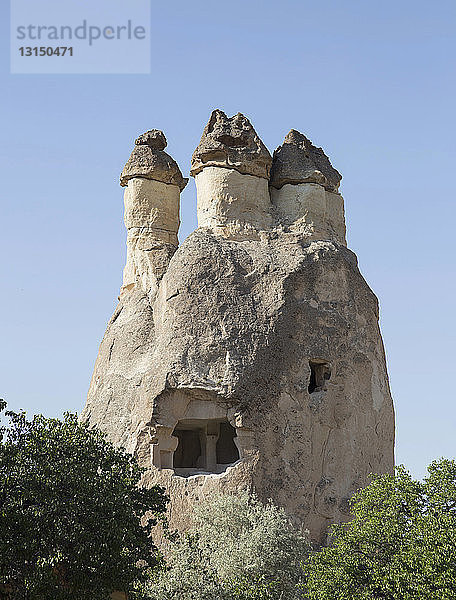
(320, 372)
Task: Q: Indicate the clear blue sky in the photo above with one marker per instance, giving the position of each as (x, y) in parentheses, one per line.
(373, 83)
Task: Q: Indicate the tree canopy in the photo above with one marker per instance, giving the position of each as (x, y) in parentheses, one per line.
(75, 522)
(72, 512)
(400, 545)
(237, 549)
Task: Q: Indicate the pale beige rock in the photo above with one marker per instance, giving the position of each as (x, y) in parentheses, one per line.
(230, 202)
(311, 210)
(152, 221)
(256, 362)
(235, 326)
(154, 205)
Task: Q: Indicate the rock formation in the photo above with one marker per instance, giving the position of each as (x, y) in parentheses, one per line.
(305, 190)
(153, 184)
(299, 161)
(231, 167)
(250, 356)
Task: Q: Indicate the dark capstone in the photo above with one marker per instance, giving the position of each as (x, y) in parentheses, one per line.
(233, 143)
(154, 138)
(148, 160)
(297, 160)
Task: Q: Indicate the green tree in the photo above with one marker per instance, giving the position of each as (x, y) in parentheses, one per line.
(400, 545)
(237, 548)
(70, 512)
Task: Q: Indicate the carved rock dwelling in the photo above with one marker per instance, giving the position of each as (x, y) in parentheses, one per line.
(250, 355)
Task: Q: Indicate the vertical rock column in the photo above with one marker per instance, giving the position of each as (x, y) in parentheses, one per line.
(153, 183)
(305, 190)
(231, 168)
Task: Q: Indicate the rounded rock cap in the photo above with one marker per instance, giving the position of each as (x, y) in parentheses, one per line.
(231, 142)
(297, 160)
(149, 161)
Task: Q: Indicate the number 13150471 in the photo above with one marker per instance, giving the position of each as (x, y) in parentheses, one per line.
(46, 51)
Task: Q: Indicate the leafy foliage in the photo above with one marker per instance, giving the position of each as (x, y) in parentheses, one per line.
(70, 510)
(237, 549)
(401, 544)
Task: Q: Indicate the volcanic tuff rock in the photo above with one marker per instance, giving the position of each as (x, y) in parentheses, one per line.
(232, 143)
(153, 183)
(297, 160)
(149, 161)
(153, 138)
(246, 362)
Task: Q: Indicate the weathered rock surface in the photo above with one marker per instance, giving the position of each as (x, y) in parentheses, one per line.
(231, 142)
(149, 161)
(151, 213)
(152, 222)
(234, 325)
(154, 138)
(297, 160)
(251, 356)
(311, 210)
(231, 203)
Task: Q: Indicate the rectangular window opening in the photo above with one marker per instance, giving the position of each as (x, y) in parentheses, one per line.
(320, 372)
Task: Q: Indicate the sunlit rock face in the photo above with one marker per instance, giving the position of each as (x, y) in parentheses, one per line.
(250, 356)
(153, 183)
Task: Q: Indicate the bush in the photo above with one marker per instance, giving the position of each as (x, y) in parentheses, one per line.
(70, 510)
(238, 548)
(401, 544)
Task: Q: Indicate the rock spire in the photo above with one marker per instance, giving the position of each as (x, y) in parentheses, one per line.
(153, 182)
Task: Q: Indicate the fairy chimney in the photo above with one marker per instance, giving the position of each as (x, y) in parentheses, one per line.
(249, 357)
(305, 190)
(231, 166)
(153, 183)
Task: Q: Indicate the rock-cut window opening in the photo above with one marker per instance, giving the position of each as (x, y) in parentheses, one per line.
(204, 446)
(320, 372)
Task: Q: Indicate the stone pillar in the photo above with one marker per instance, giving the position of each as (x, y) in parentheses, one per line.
(304, 190)
(231, 168)
(163, 446)
(153, 183)
(212, 436)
